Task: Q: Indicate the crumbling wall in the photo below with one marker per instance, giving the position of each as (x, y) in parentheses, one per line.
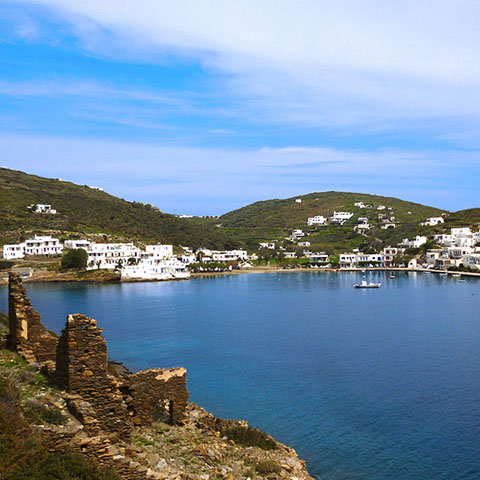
(158, 393)
(27, 334)
(82, 370)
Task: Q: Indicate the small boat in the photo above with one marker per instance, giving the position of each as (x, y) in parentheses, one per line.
(364, 284)
(392, 275)
(443, 274)
(461, 281)
(456, 275)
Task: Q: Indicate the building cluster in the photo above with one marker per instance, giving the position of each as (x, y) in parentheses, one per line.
(155, 262)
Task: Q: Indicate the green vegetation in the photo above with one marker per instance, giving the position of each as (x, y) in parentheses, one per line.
(251, 437)
(76, 259)
(37, 413)
(22, 454)
(268, 466)
(82, 210)
(6, 264)
(463, 218)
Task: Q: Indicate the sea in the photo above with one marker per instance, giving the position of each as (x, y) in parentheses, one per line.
(373, 384)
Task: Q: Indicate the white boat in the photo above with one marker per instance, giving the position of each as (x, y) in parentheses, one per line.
(456, 275)
(443, 274)
(364, 284)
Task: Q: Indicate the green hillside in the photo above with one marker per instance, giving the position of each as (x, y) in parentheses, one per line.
(272, 219)
(82, 210)
(464, 218)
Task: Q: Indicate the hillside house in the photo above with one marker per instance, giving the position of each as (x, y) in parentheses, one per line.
(316, 220)
(110, 255)
(12, 252)
(340, 218)
(432, 221)
(43, 245)
(43, 208)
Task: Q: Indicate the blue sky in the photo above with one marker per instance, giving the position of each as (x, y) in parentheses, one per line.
(203, 106)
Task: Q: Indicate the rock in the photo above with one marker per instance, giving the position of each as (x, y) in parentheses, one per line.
(161, 464)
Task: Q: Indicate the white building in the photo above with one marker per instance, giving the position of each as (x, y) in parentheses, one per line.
(229, 255)
(316, 220)
(155, 269)
(359, 205)
(341, 217)
(417, 242)
(159, 251)
(362, 220)
(74, 244)
(12, 252)
(432, 221)
(290, 255)
(188, 258)
(298, 200)
(381, 207)
(44, 208)
(386, 226)
(269, 245)
(304, 244)
(43, 245)
(297, 234)
(472, 261)
(110, 255)
(362, 227)
(319, 257)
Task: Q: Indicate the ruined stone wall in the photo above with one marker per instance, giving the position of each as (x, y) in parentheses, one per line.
(82, 370)
(153, 390)
(27, 334)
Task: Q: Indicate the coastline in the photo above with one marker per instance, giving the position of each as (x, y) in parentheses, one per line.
(108, 277)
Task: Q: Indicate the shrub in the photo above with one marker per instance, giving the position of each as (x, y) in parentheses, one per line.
(37, 412)
(268, 466)
(250, 437)
(76, 258)
(6, 264)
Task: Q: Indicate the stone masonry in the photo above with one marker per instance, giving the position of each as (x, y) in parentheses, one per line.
(157, 393)
(28, 336)
(82, 370)
(102, 395)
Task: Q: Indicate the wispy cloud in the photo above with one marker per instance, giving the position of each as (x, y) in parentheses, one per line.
(319, 63)
(216, 180)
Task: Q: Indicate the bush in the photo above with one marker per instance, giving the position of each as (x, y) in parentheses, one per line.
(76, 258)
(6, 264)
(250, 437)
(268, 466)
(37, 413)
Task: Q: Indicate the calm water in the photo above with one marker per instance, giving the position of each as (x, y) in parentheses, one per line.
(365, 384)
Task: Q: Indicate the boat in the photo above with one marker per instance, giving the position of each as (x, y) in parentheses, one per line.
(364, 284)
(443, 274)
(461, 281)
(456, 275)
(392, 275)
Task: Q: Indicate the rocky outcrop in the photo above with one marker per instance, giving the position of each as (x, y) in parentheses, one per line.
(27, 334)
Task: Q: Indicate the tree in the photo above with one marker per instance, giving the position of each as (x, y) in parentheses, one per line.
(76, 258)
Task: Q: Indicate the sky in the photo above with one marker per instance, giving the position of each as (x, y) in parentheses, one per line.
(201, 106)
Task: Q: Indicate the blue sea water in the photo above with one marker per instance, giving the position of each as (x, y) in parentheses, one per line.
(364, 384)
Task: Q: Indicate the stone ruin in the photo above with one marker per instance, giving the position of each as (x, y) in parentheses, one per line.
(103, 395)
(27, 334)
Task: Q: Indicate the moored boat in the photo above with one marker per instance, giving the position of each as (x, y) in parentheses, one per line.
(364, 284)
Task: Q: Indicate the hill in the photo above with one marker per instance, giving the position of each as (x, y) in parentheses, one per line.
(83, 210)
(272, 219)
(464, 218)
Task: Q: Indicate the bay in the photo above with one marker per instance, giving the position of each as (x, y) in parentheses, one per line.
(364, 384)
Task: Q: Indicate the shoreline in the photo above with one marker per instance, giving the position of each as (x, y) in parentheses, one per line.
(110, 278)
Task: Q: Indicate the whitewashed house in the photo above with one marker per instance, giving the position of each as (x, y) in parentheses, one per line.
(12, 252)
(110, 255)
(229, 255)
(341, 217)
(74, 244)
(316, 220)
(389, 254)
(188, 258)
(44, 208)
(159, 251)
(43, 245)
(417, 242)
(304, 244)
(149, 268)
(290, 255)
(471, 261)
(319, 257)
(269, 245)
(432, 221)
(359, 205)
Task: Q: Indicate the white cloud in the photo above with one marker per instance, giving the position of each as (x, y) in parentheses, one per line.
(202, 180)
(315, 62)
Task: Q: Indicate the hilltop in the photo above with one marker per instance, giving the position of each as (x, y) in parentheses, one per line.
(272, 219)
(84, 210)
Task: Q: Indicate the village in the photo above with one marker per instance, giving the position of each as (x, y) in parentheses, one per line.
(459, 249)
